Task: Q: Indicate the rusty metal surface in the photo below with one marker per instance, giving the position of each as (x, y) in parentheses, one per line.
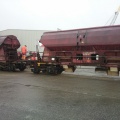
(8, 48)
(9, 40)
(99, 36)
(93, 46)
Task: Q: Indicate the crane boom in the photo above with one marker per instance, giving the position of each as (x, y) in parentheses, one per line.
(115, 16)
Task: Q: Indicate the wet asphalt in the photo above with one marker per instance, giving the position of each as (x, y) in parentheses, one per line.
(85, 96)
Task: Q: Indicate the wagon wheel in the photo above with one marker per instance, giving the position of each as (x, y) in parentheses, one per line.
(11, 68)
(60, 71)
(43, 71)
(36, 71)
(22, 67)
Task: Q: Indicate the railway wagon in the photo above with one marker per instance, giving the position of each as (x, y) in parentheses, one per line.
(9, 59)
(97, 46)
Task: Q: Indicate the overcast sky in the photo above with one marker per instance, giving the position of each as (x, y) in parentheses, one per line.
(53, 14)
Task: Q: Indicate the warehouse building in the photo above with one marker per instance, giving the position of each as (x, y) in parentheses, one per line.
(26, 37)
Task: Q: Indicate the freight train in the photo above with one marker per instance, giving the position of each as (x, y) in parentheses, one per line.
(64, 50)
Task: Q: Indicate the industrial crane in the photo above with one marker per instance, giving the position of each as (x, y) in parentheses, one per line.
(115, 16)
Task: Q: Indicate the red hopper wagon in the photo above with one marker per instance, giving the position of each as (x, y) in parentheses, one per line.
(9, 59)
(64, 50)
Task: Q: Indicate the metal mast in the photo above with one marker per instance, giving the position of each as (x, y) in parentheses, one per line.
(115, 16)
